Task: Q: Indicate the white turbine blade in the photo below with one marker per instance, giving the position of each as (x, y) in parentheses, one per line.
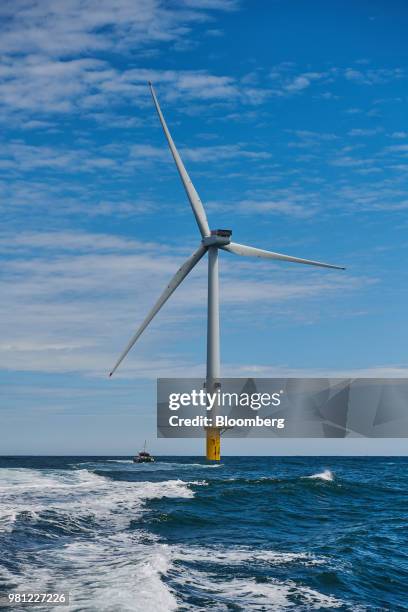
(242, 249)
(172, 286)
(196, 204)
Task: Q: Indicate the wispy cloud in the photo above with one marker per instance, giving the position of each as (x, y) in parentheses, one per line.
(55, 88)
(55, 55)
(59, 29)
(365, 131)
(373, 76)
(214, 153)
(402, 148)
(346, 161)
(292, 207)
(303, 81)
(223, 152)
(287, 79)
(375, 197)
(399, 135)
(23, 157)
(280, 201)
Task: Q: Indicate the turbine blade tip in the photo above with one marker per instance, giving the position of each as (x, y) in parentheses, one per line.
(110, 374)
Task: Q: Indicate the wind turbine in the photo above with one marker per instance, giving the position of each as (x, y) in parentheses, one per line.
(211, 242)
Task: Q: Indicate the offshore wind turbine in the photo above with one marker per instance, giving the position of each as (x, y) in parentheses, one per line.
(211, 242)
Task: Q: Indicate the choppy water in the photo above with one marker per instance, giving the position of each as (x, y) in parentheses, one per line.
(249, 534)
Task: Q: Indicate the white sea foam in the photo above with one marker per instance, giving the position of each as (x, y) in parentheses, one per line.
(87, 495)
(272, 595)
(107, 566)
(127, 465)
(239, 555)
(245, 592)
(118, 572)
(325, 475)
(172, 465)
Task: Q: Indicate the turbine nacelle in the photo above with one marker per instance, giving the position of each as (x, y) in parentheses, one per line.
(218, 237)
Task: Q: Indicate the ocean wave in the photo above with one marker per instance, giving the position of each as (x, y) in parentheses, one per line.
(249, 594)
(127, 465)
(325, 475)
(79, 493)
(214, 574)
(243, 554)
(274, 595)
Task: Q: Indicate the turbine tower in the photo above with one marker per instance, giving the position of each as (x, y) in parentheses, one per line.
(211, 242)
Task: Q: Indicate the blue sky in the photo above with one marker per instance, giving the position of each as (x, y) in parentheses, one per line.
(291, 119)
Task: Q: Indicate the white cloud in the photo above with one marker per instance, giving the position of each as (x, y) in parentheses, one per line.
(213, 153)
(309, 135)
(303, 81)
(403, 148)
(298, 84)
(277, 371)
(374, 197)
(62, 241)
(285, 207)
(60, 28)
(23, 157)
(283, 204)
(373, 76)
(350, 162)
(223, 5)
(150, 152)
(55, 55)
(222, 153)
(93, 88)
(353, 111)
(399, 135)
(364, 131)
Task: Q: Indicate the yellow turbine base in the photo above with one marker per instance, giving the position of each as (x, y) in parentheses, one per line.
(213, 443)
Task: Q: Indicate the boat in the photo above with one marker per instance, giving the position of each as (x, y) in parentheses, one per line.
(143, 456)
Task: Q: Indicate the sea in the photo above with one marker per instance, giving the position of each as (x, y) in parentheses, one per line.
(249, 533)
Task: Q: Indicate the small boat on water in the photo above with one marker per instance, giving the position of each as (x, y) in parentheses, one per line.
(143, 456)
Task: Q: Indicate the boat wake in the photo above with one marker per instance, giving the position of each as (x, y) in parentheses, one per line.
(108, 465)
(93, 535)
(105, 565)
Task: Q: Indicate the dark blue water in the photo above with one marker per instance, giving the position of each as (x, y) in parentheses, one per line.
(248, 534)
